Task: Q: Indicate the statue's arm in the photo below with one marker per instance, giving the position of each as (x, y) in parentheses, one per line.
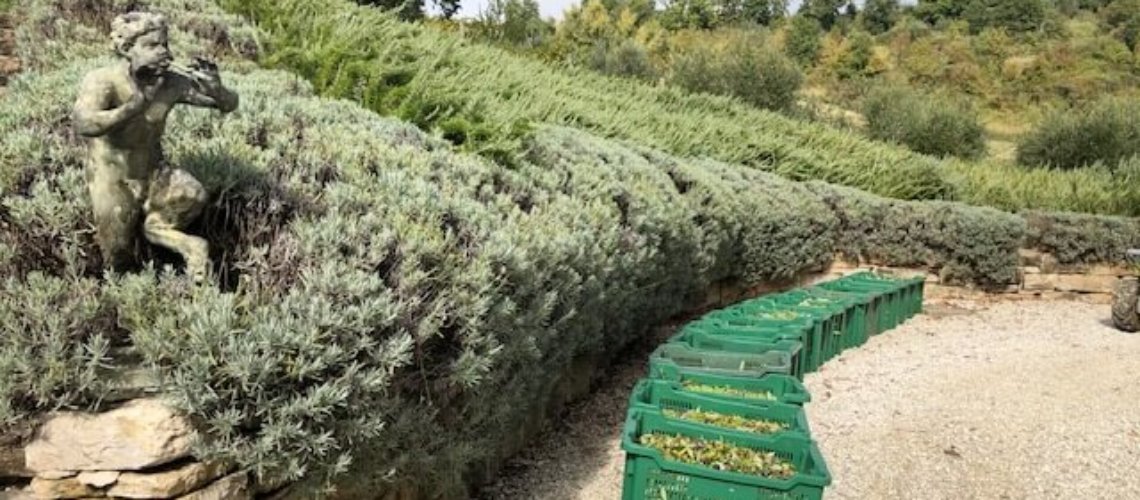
(210, 95)
(226, 99)
(93, 115)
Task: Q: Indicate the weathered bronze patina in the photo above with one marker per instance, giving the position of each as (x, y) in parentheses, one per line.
(122, 108)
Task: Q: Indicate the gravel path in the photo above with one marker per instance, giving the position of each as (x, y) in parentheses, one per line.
(1010, 400)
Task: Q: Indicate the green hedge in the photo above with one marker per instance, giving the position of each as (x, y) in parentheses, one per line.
(966, 245)
(390, 306)
(1081, 238)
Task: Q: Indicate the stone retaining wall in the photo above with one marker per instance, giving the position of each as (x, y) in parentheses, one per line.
(141, 449)
(1039, 275)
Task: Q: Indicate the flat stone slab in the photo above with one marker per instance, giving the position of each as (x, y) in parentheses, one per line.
(142, 433)
(232, 487)
(62, 488)
(166, 484)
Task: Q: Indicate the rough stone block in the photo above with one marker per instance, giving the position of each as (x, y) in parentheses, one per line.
(1029, 257)
(12, 462)
(1082, 283)
(62, 488)
(1039, 282)
(1078, 283)
(100, 479)
(140, 434)
(232, 487)
(16, 494)
(1113, 271)
(166, 484)
(131, 383)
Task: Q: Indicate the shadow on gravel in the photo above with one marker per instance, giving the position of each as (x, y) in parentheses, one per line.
(573, 450)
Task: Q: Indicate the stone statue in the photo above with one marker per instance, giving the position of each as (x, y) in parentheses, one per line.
(122, 108)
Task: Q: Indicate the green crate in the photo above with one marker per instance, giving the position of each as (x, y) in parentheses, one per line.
(669, 359)
(888, 299)
(860, 314)
(806, 330)
(920, 295)
(916, 289)
(761, 314)
(856, 311)
(785, 388)
(802, 332)
(744, 324)
(833, 313)
(873, 303)
(830, 322)
(730, 343)
(649, 476)
(653, 395)
(776, 330)
(912, 288)
(901, 291)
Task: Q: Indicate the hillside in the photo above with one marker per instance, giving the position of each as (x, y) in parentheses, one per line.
(1013, 80)
(1013, 65)
(1066, 59)
(425, 76)
(401, 302)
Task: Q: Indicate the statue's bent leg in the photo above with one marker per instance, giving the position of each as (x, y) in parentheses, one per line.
(176, 201)
(116, 211)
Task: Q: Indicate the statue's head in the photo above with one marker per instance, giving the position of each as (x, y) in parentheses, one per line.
(141, 37)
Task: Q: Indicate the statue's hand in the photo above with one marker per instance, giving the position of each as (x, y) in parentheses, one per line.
(207, 73)
(204, 65)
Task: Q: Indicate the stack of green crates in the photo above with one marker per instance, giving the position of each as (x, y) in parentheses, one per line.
(825, 319)
(760, 415)
(726, 371)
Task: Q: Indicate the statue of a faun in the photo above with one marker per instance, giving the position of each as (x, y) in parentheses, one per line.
(122, 109)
